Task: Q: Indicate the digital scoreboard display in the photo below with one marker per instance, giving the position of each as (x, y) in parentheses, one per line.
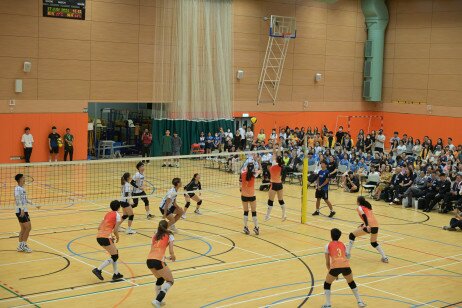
(72, 9)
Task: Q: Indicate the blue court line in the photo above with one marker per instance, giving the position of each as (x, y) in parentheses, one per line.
(93, 259)
(431, 302)
(303, 296)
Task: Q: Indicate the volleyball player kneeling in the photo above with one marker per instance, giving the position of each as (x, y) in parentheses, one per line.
(247, 182)
(337, 264)
(155, 262)
(109, 225)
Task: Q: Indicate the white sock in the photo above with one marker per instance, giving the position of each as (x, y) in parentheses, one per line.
(158, 289)
(356, 293)
(148, 212)
(268, 212)
(104, 264)
(255, 221)
(348, 249)
(283, 207)
(114, 266)
(246, 218)
(380, 250)
(327, 294)
(167, 285)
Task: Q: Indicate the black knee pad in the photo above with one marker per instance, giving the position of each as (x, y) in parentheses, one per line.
(326, 285)
(124, 217)
(246, 213)
(352, 284)
(199, 203)
(352, 237)
(270, 203)
(115, 257)
(160, 281)
(254, 214)
(187, 204)
(131, 217)
(281, 202)
(374, 244)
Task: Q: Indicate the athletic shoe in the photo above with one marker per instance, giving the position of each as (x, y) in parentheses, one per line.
(362, 304)
(149, 216)
(170, 165)
(256, 230)
(447, 228)
(130, 231)
(326, 306)
(385, 260)
(198, 212)
(267, 217)
(284, 218)
(315, 213)
(173, 229)
(183, 216)
(98, 273)
(20, 249)
(156, 303)
(26, 248)
(332, 213)
(246, 230)
(177, 165)
(164, 165)
(117, 277)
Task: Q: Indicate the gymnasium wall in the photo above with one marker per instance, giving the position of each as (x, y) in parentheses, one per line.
(40, 124)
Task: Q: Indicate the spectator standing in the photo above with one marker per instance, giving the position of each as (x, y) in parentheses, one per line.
(261, 136)
(28, 142)
(68, 145)
(176, 148)
(339, 135)
(146, 140)
(54, 139)
(248, 138)
(166, 145)
(380, 142)
(242, 131)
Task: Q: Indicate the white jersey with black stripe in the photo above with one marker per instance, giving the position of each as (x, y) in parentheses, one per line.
(139, 181)
(125, 190)
(171, 194)
(20, 198)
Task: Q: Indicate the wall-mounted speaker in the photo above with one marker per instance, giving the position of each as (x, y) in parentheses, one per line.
(18, 86)
(240, 74)
(27, 67)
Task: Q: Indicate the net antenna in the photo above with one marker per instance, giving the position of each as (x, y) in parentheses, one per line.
(282, 29)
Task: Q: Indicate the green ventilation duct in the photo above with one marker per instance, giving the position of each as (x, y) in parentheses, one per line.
(376, 15)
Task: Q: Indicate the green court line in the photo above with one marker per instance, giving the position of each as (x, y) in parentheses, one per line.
(18, 295)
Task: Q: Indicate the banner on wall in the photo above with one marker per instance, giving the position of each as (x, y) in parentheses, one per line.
(71, 9)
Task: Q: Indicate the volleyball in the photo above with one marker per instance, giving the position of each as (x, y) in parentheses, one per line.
(253, 120)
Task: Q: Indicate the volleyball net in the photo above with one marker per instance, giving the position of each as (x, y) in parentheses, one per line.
(65, 183)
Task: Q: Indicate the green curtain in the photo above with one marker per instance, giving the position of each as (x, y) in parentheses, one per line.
(188, 130)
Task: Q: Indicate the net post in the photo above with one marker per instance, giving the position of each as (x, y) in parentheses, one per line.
(304, 204)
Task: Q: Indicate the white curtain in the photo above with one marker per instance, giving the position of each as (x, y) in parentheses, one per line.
(194, 58)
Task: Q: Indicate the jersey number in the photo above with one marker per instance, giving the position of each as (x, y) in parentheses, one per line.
(339, 252)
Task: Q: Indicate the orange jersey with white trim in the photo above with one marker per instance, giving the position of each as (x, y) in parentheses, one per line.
(248, 187)
(275, 172)
(158, 247)
(372, 222)
(108, 224)
(337, 254)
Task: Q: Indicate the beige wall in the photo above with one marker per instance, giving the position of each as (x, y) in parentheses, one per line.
(110, 55)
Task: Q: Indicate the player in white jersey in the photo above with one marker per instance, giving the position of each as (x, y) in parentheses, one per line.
(169, 208)
(138, 189)
(126, 202)
(22, 213)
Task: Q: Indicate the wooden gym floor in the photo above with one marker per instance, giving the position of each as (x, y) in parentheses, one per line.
(219, 266)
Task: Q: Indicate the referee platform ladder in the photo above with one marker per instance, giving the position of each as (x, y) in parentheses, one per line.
(282, 30)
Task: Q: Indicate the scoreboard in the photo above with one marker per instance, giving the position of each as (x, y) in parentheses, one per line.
(72, 9)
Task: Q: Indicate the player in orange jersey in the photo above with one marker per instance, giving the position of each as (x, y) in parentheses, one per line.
(109, 225)
(155, 262)
(370, 225)
(247, 184)
(276, 183)
(337, 263)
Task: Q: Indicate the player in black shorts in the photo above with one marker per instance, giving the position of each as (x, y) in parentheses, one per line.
(54, 139)
(194, 185)
(139, 189)
(22, 213)
(322, 189)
